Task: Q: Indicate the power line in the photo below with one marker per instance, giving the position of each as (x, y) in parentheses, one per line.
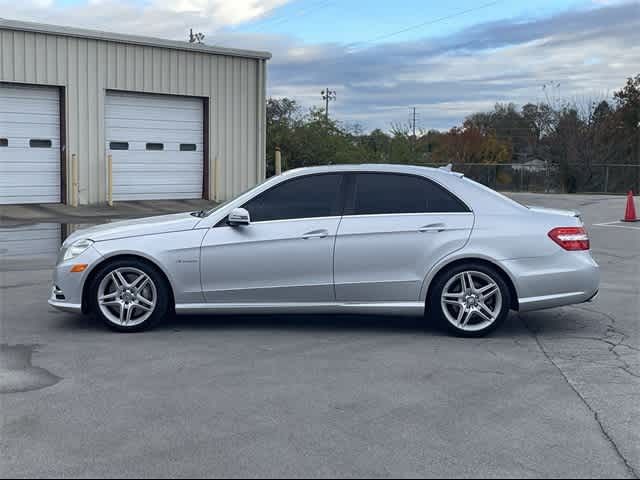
(429, 22)
(272, 22)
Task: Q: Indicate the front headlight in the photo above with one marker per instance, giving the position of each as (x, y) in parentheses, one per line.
(76, 249)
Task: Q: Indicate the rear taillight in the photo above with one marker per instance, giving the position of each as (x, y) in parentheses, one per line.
(570, 238)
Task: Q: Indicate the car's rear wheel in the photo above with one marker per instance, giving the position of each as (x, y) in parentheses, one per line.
(470, 300)
(129, 295)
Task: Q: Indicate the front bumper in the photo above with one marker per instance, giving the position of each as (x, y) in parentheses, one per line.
(66, 291)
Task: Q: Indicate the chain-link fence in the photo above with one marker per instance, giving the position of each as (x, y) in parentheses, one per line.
(545, 177)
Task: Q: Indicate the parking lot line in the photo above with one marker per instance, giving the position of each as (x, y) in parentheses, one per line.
(616, 224)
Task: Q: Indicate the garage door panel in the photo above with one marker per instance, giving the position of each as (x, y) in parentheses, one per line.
(21, 117)
(144, 135)
(141, 101)
(156, 176)
(37, 193)
(152, 114)
(164, 125)
(28, 131)
(141, 174)
(25, 156)
(29, 174)
(18, 173)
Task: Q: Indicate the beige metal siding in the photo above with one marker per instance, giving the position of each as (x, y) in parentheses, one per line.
(87, 68)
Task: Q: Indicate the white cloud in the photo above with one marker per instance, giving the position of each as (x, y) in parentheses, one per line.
(223, 12)
(162, 18)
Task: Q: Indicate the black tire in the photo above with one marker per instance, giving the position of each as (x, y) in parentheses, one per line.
(162, 290)
(435, 312)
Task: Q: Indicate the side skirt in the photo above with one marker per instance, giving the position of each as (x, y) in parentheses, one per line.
(376, 308)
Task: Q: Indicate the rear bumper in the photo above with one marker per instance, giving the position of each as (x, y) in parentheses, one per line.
(563, 279)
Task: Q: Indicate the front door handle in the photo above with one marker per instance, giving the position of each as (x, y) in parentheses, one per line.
(316, 234)
(433, 227)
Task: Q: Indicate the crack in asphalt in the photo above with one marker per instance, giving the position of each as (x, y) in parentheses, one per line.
(613, 346)
(613, 444)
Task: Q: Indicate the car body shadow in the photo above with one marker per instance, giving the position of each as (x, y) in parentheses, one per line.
(327, 323)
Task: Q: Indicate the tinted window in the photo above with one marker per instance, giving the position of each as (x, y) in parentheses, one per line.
(187, 147)
(307, 197)
(383, 193)
(155, 146)
(40, 143)
(4, 142)
(118, 146)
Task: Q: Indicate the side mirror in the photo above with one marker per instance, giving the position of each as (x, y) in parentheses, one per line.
(238, 216)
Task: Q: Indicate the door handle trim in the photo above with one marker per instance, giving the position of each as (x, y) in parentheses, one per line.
(316, 234)
(433, 227)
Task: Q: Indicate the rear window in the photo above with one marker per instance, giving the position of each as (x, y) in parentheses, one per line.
(493, 192)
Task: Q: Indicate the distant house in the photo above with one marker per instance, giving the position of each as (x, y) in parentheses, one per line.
(533, 166)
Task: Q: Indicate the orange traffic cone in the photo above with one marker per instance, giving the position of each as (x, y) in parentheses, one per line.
(630, 213)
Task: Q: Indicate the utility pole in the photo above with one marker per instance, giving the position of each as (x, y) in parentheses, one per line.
(413, 127)
(327, 95)
(414, 123)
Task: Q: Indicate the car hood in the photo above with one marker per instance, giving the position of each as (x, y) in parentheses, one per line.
(133, 228)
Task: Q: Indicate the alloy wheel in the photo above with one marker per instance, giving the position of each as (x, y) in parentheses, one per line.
(471, 301)
(127, 297)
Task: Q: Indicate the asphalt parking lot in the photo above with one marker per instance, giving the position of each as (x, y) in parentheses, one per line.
(552, 394)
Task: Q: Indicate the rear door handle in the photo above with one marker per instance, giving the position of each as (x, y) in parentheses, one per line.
(316, 234)
(433, 227)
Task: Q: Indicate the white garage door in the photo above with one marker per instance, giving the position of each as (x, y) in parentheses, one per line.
(156, 143)
(29, 145)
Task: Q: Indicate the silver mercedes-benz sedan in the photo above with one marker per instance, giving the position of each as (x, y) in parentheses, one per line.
(366, 239)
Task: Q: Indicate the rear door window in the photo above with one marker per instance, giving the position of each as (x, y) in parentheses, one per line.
(391, 193)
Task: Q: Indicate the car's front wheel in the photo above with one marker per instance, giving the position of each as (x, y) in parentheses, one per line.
(129, 295)
(471, 300)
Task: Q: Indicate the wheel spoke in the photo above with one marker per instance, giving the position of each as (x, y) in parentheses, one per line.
(143, 307)
(139, 282)
(108, 296)
(488, 290)
(463, 282)
(452, 302)
(456, 295)
(145, 301)
(129, 312)
(122, 313)
(118, 279)
(488, 318)
(465, 317)
(487, 310)
(470, 281)
(111, 303)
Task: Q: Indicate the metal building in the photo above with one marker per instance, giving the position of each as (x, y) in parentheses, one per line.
(179, 120)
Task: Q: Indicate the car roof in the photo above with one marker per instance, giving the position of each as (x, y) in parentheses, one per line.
(376, 167)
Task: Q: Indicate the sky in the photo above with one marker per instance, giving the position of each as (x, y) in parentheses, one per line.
(446, 59)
